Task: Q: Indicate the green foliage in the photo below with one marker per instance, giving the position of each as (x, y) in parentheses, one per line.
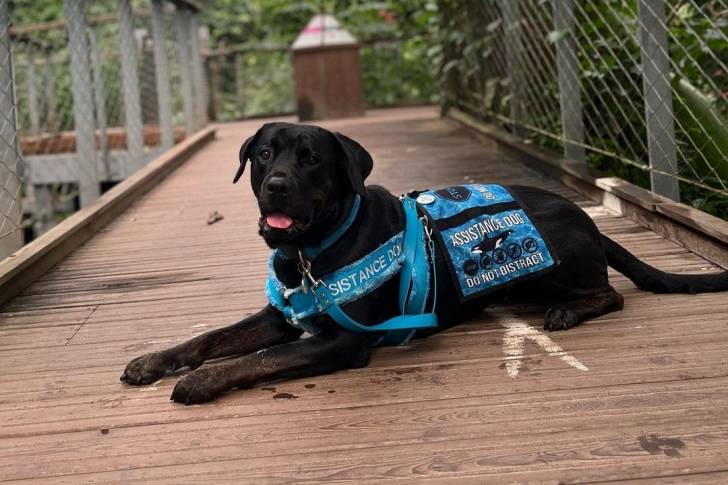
(267, 84)
(393, 73)
(395, 55)
(606, 34)
(24, 12)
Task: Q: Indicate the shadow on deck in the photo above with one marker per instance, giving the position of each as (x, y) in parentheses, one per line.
(653, 402)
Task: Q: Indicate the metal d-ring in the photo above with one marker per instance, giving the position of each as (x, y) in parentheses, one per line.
(426, 226)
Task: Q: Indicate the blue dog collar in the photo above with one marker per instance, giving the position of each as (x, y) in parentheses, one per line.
(406, 253)
(311, 252)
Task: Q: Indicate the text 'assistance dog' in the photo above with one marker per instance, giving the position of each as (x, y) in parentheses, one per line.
(357, 267)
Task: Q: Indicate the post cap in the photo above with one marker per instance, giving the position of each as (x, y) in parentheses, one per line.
(323, 31)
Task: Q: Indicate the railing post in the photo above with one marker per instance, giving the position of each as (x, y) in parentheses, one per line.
(215, 99)
(183, 46)
(198, 69)
(11, 235)
(130, 81)
(43, 213)
(161, 75)
(239, 84)
(83, 109)
(658, 97)
(100, 103)
(511, 11)
(50, 93)
(567, 65)
(33, 111)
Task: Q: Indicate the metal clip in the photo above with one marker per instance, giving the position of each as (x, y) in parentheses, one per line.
(304, 267)
(428, 229)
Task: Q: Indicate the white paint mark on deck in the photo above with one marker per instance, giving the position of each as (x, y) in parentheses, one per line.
(514, 342)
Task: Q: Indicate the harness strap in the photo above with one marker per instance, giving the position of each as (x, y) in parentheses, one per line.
(413, 290)
(402, 322)
(414, 284)
(414, 278)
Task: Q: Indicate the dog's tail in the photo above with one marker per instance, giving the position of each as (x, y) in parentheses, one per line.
(652, 279)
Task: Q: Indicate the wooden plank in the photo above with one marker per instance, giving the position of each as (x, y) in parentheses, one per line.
(579, 457)
(632, 193)
(697, 219)
(34, 259)
(407, 423)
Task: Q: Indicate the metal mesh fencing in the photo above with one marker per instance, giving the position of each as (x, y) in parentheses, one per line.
(87, 99)
(637, 88)
(11, 169)
(248, 81)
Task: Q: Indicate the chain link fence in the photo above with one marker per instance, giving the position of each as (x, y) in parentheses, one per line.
(87, 99)
(250, 81)
(636, 88)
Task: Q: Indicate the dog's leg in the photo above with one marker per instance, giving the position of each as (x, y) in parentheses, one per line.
(265, 328)
(311, 356)
(569, 314)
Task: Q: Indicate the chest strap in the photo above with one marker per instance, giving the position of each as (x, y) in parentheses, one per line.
(406, 252)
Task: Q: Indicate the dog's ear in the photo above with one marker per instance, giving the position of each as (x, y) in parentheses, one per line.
(244, 154)
(357, 162)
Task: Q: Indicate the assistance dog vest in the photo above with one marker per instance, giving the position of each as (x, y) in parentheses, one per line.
(486, 237)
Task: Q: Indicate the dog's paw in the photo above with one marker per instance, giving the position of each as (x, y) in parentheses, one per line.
(560, 318)
(201, 385)
(146, 369)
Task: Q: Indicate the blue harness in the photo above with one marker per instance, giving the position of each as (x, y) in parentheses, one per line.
(486, 239)
(405, 253)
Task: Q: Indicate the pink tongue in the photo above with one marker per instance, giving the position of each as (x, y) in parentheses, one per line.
(278, 220)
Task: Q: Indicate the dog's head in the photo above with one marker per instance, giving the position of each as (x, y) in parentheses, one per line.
(304, 178)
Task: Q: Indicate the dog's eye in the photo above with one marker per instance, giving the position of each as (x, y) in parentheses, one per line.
(310, 160)
(264, 155)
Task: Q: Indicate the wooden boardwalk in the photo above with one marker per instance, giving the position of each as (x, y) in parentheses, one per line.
(653, 402)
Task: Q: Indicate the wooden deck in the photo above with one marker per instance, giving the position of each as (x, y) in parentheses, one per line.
(653, 402)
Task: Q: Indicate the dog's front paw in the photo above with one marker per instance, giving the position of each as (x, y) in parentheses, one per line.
(201, 385)
(146, 369)
(560, 318)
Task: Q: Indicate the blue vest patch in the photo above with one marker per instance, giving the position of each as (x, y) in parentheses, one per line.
(486, 237)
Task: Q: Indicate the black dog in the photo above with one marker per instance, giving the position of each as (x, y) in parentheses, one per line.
(305, 179)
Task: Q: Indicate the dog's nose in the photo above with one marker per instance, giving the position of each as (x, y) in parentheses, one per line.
(278, 185)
